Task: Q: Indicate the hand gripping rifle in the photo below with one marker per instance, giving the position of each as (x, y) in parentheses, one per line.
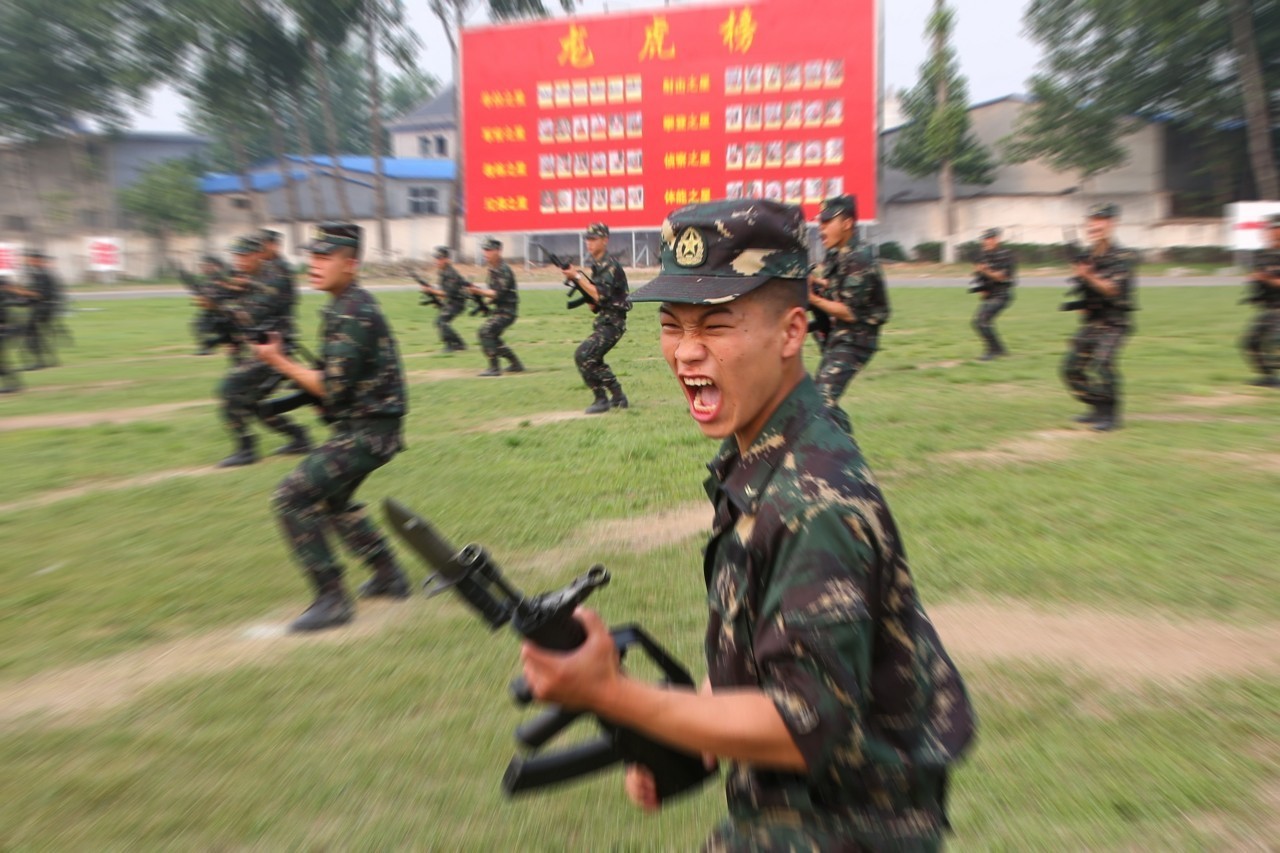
(563, 264)
(979, 283)
(1081, 297)
(820, 325)
(428, 298)
(547, 620)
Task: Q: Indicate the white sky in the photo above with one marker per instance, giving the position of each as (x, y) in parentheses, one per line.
(993, 52)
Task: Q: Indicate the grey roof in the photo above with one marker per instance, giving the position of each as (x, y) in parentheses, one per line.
(435, 113)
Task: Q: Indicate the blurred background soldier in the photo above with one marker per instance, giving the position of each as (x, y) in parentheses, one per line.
(609, 298)
(1104, 283)
(276, 266)
(360, 385)
(450, 294)
(848, 288)
(1262, 341)
(43, 295)
(502, 295)
(263, 304)
(10, 295)
(993, 279)
(212, 327)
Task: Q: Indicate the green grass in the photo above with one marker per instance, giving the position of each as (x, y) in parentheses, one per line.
(398, 740)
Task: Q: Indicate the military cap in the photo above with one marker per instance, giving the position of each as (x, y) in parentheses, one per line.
(991, 233)
(491, 243)
(1273, 220)
(442, 252)
(247, 245)
(716, 251)
(211, 259)
(266, 235)
(840, 205)
(596, 229)
(1104, 210)
(331, 236)
(35, 253)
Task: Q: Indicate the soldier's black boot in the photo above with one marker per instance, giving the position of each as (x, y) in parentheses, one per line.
(388, 580)
(988, 356)
(619, 400)
(1268, 380)
(1108, 418)
(246, 455)
(298, 442)
(600, 406)
(1088, 417)
(493, 370)
(331, 608)
(515, 366)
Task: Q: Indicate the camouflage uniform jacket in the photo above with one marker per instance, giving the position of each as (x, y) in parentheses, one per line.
(1115, 264)
(615, 295)
(502, 281)
(855, 280)
(363, 379)
(812, 602)
(1267, 262)
(1001, 260)
(452, 283)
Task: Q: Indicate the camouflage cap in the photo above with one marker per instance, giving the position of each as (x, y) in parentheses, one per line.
(1273, 220)
(266, 235)
(247, 245)
(442, 252)
(717, 251)
(840, 205)
(491, 243)
(991, 234)
(596, 229)
(212, 260)
(331, 236)
(33, 252)
(1104, 210)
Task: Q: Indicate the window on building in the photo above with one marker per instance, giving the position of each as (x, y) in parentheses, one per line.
(240, 203)
(424, 200)
(442, 146)
(424, 146)
(15, 223)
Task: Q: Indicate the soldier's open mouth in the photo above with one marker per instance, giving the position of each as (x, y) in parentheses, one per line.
(704, 397)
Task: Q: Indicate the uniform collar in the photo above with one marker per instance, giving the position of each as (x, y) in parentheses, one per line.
(744, 477)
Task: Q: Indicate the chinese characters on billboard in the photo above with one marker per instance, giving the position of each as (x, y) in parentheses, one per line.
(625, 117)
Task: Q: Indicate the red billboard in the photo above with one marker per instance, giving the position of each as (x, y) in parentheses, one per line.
(624, 117)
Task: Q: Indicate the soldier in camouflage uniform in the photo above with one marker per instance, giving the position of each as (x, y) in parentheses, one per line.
(502, 294)
(828, 689)
(360, 384)
(1105, 280)
(9, 295)
(850, 290)
(994, 277)
(43, 291)
(451, 292)
(211, 326)
(276, 268)
(262, 303)
(1262, 342)
(607, 291)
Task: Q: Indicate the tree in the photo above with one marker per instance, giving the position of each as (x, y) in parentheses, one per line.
(937, 139)
(452, 14)
(166, 200)
(405, 91)
(1108, 63)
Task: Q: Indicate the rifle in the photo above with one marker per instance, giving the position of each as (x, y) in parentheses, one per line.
(428, 298)
(295, 399)
(979, 283)
(563, 264)
(820, 325)
(223, 323)
(548, 621)
(1080, 296)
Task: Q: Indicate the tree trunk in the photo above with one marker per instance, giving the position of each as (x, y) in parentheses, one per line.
(330, 129)
(1249, 69)
(242, 166)
(459, 149)
(304, 144)
(372, 30)
(286, 170)
(946, 175)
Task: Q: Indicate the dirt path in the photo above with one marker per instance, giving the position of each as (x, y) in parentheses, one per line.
(1054, 445)
(83, 489)
(79, 420)
(534, 420)
(1119, 648)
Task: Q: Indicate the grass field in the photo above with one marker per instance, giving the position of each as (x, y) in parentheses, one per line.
(1112, 600)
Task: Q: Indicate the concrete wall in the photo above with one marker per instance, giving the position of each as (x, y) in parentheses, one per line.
(405, 143)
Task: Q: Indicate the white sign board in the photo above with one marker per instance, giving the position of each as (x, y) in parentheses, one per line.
(1248, 220)
(105, 254)
(9, 254)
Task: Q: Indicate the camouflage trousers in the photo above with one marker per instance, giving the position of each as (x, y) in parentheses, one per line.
(1262, 342)
(491, 335)
(590, 354)
(1089, 370)
(984, 321)
(241, 391)
(315, 499)
(444, 325)
(38, 334)
(795, 830)
(840, 364)
(8, 376)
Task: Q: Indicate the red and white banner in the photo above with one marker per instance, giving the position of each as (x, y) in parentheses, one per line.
(105, 254)
(1248, 223)
(624, 117)
(10, 260)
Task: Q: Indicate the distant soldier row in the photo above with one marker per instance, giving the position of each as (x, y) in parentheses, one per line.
(41, 295)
